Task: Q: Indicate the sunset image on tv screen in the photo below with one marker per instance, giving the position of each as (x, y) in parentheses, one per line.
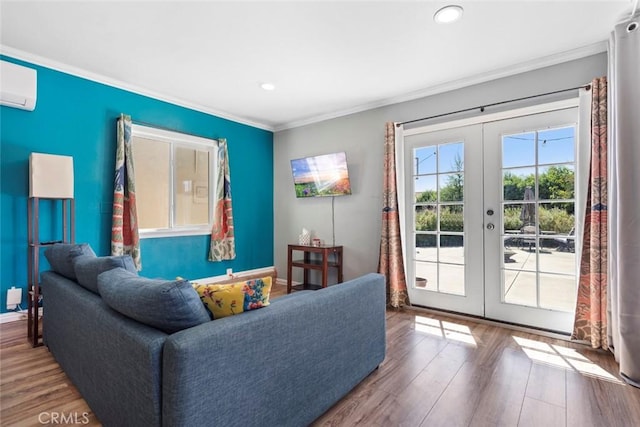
(325, 175)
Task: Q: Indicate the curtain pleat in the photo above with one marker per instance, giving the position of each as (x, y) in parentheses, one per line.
(391, 263)
(222, 245)
(591, 307)
(124, 226)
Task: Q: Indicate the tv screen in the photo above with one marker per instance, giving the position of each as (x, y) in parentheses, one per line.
(318, 176)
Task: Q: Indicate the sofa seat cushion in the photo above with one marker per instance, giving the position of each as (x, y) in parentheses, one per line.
(87, 268)
(224, 300)
(163, 304)
(61, 255)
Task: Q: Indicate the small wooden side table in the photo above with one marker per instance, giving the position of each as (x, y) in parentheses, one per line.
(321, 263)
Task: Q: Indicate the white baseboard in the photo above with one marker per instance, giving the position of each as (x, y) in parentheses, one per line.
(14, 316)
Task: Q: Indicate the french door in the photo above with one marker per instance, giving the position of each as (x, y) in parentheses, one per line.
(490, 219)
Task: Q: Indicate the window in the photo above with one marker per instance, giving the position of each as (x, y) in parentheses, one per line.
(174, 182)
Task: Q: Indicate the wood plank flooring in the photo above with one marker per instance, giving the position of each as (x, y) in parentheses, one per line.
(439, 371)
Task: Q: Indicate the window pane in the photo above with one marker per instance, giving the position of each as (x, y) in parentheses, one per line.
(451, 218)
(516, 181)
(152, 182)
(451, 187)
(426, 275)
(426, 219)
(450, 157)
(518, 150)
(191, 183)
(425, 189)
(426, 247)
(556, 182)
(424, 161)
(556, 146)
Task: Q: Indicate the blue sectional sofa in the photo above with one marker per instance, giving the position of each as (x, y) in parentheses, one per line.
(282, 365)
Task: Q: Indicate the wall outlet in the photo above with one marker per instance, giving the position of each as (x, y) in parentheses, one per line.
(230, 272)
(14, 298)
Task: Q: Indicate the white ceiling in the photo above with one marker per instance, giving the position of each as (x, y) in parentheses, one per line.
(326, 58)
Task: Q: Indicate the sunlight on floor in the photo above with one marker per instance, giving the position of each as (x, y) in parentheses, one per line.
(563, 357)
(447, 330)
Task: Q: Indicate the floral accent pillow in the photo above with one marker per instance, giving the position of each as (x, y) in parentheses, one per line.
(234, 298)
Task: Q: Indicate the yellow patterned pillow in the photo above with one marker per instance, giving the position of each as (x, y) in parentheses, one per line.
(234, 298)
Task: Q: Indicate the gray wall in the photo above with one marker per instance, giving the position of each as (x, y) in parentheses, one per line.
(361, 135)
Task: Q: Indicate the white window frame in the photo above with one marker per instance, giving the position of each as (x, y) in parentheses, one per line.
(177, 139)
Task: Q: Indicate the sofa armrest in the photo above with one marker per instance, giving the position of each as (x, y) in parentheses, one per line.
(288, 362)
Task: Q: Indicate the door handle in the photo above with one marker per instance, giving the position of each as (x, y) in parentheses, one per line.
(490, 226)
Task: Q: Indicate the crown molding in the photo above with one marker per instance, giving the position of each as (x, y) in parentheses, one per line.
(119, 84)
(523, 67)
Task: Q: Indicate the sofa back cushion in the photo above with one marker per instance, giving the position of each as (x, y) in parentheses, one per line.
(163, 304)
(61, 255)
(87, 268)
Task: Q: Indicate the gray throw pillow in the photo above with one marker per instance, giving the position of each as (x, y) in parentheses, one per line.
(61, 255)
(87, 268)
(168, 305)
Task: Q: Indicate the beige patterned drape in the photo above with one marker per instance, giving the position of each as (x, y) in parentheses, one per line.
(591, 309)
(391, 263)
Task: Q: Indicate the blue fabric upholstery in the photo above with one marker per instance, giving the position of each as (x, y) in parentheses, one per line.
(282, 365)
(61, 255)
(292, 360)
(115, 362)
(167, 305)
(87, 268)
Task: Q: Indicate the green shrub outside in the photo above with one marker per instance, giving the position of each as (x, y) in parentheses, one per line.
(555, 219)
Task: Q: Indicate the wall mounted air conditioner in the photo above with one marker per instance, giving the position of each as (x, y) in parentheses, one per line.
(18, 86)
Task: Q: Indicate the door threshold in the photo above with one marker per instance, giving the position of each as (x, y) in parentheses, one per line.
(514, 326)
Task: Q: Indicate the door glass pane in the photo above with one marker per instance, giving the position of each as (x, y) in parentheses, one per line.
(556, 146)
(518, 150)
(426, 218)
(425, 189)
(425, 160)
(556, 182)
(451, 218)
(520, 287)
(426, 275)
(538, 177)
(518, 215)
(451, 279)
(516, 181)
(426, 247)
(558, 292)
(451, 157)
(451, 187)
(438, 188)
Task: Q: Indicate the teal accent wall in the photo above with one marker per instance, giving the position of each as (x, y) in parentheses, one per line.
(77, 117)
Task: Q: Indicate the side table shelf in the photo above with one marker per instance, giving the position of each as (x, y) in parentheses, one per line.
(33, 258)
(321, 263)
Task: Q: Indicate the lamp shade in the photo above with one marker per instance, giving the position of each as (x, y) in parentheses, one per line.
(50, 176)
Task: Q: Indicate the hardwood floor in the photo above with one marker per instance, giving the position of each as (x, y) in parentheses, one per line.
(439, 371)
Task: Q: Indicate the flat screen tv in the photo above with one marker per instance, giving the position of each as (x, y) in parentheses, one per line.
(319, 176)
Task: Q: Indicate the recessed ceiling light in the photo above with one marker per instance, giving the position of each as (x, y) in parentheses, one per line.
(267, 86)
(448, 14)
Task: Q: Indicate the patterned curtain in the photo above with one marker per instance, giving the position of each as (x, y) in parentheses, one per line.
(124, 228)
(222, 241)
(391, 263)
(591, 310)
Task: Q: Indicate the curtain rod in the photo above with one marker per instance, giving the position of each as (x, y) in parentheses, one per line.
(482, 107)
